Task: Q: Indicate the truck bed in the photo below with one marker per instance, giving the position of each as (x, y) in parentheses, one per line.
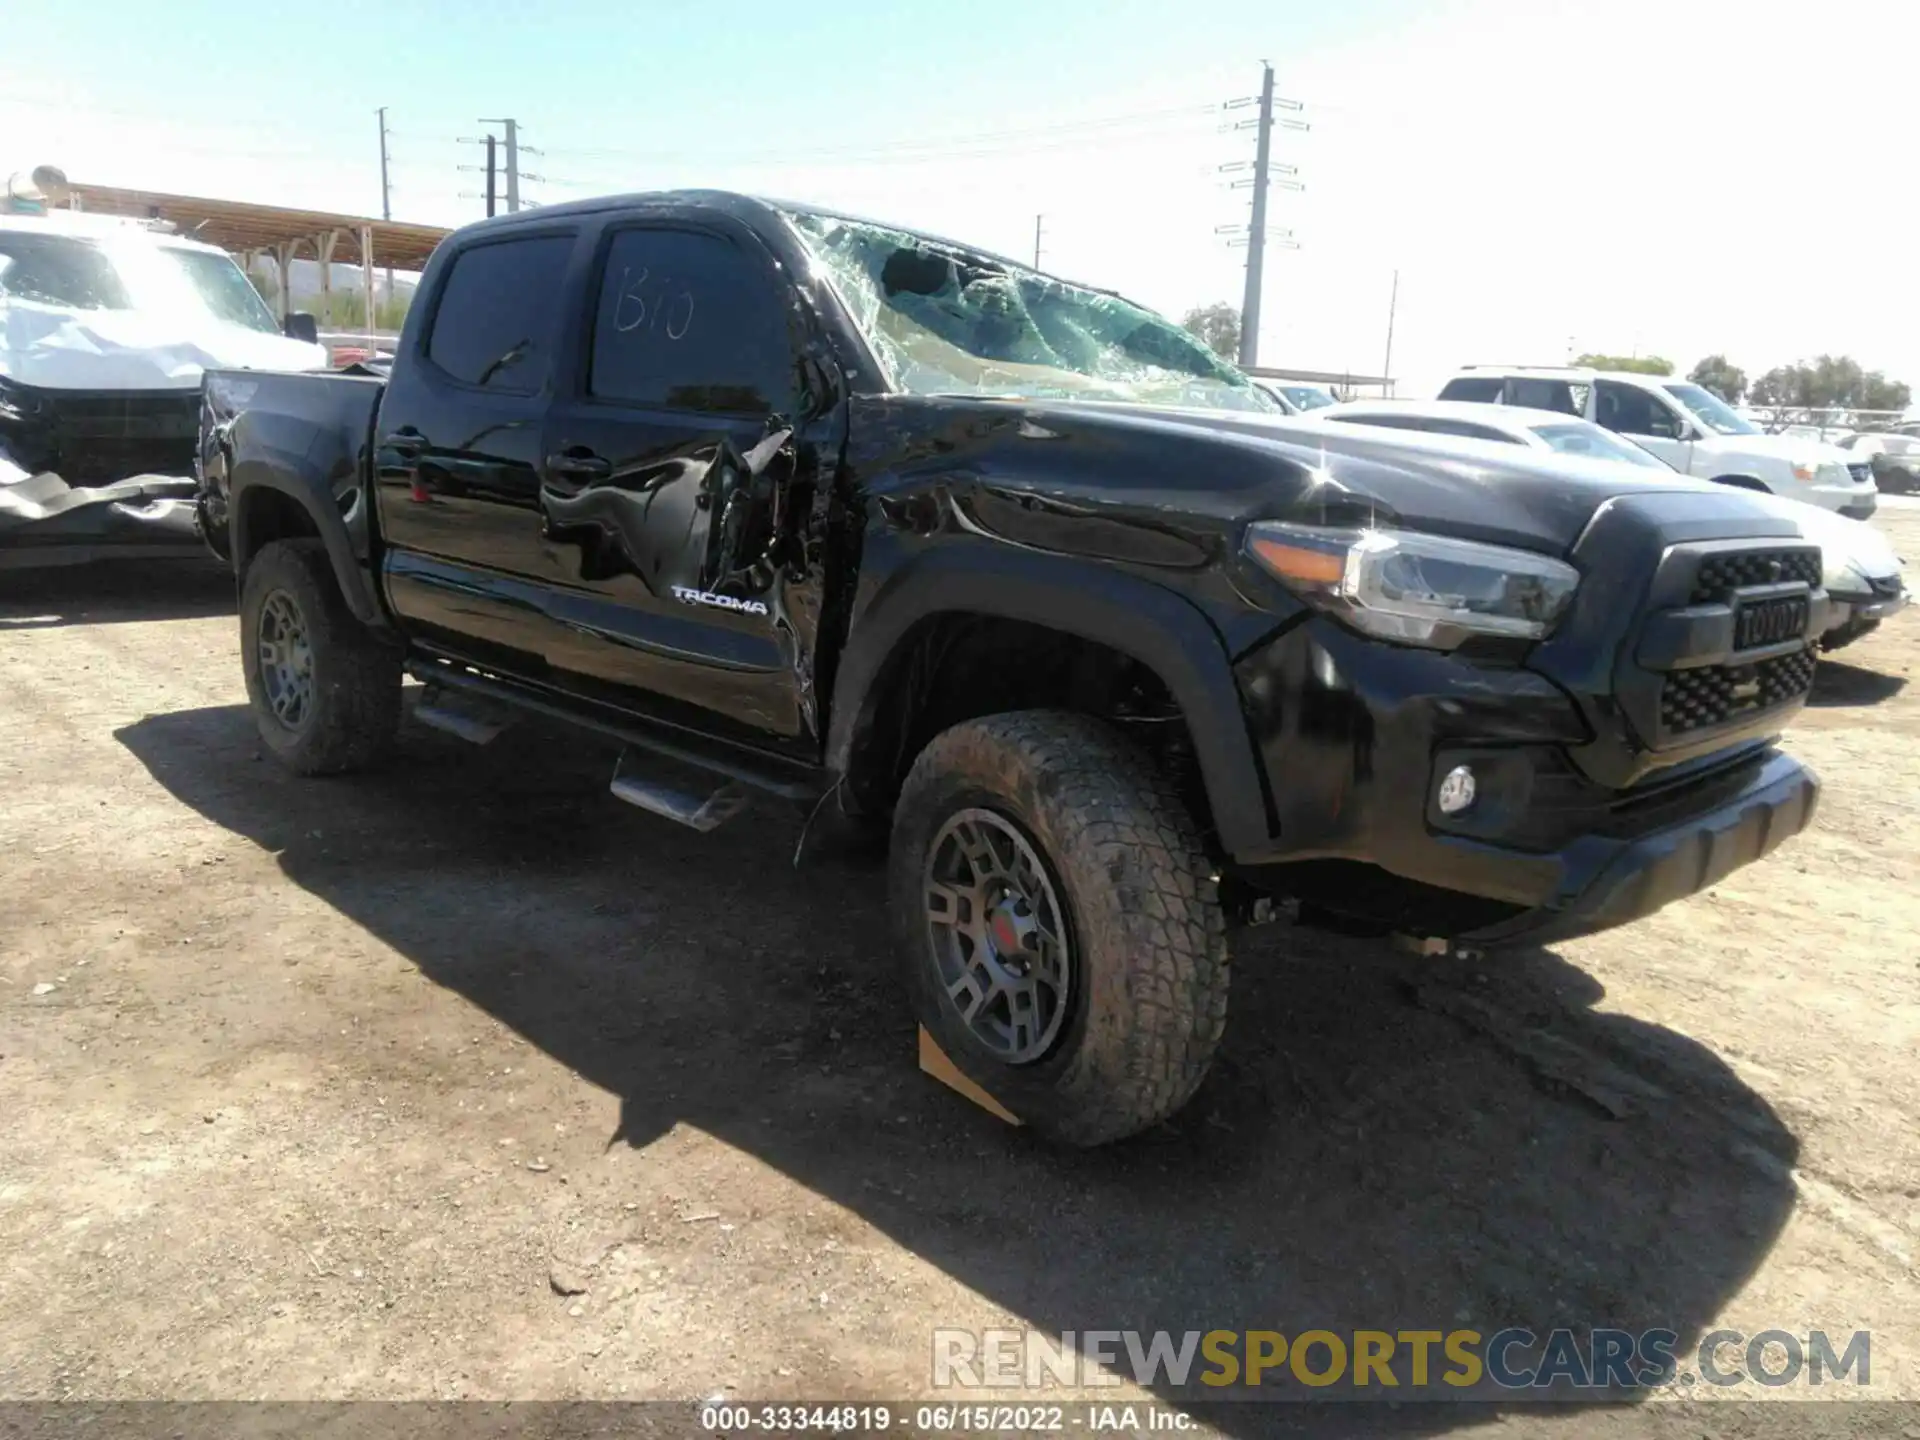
(316, 428)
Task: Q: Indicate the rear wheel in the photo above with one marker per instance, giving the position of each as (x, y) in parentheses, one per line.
(324, 689)
(1059, 923)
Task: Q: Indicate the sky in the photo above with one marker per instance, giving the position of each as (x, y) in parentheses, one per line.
(1675, 177)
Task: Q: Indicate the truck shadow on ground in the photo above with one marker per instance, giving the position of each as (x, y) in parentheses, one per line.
(113, 592)
(1380, 1147)
(1838, 683)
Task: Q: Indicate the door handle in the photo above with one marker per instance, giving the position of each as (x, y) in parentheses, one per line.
(575, 465)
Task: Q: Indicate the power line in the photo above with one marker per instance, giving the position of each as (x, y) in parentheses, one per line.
(986, 141)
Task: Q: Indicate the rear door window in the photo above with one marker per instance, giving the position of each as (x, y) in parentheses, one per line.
(1471, 432)
(687, 320)
(499, 313)
(1484, 388)
(1568, 397)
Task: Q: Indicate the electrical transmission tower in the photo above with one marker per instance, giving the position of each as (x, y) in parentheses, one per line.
(1255, 234)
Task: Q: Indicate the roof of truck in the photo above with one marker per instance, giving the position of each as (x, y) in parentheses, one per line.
(750, 207)
(1567, 372)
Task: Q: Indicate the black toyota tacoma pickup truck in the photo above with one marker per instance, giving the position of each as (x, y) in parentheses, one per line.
(800, 505)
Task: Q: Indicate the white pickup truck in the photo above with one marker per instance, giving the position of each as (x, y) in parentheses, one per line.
(106, 327)
(1688, 426)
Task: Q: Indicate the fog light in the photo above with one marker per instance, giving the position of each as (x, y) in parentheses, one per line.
(1456, 790)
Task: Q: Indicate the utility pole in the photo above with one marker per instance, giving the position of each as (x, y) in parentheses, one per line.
(514, 173)
(386, 189)
(1393, 303)
(1036, 240)
(513, 162)
(1257, 233)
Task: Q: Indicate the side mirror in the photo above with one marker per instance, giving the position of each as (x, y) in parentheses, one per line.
(301, 326)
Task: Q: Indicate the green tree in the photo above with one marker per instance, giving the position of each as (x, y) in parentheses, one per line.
(1831, 382)
(1721, 376)
(1638, 364)
(1217, 326)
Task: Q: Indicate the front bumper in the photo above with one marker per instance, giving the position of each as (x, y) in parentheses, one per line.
(1354, 737)
(1888, 599)
(1854, 500)
(1607, 882)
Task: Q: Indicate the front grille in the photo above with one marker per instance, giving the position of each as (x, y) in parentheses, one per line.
(1860, 470)
(1719, 574)
(1714, 694)
(102, 437)
(102, 462)
(128, 416)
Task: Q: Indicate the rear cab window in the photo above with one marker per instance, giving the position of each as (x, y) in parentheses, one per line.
(1483, 388)
(498, 314)
(1568, 397)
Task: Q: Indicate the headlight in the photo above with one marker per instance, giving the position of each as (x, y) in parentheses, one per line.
(1839, 574)
(1416, 589)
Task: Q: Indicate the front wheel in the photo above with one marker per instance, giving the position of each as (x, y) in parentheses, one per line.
(1059, 922)
(324, 689)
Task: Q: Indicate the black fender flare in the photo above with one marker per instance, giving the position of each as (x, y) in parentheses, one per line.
(314, 498)
(1152, 624)
(1735, 481)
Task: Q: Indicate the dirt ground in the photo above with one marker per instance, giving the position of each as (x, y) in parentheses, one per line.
(329, 1089)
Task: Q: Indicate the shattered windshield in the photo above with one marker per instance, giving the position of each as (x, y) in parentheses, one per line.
(947, 322)
(222, 288)
(81, 273)
(59, 270)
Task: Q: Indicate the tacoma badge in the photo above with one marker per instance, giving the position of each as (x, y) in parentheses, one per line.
(725, 602)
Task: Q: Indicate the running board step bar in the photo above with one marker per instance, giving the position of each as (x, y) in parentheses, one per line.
(438, 709)
(697, 812)
(495, 700)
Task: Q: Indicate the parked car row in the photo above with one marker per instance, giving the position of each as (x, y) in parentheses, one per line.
(1860, 571)
(1893, 456)
(1688, 426)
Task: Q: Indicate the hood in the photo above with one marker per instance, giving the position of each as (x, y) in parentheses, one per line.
(62, 349)
(1240, 467)
(1796, 449)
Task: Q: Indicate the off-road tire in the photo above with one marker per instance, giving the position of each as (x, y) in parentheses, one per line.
(354, 713)
(1148, 996)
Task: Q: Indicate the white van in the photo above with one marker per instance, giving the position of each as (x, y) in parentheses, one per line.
(1688, 426)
